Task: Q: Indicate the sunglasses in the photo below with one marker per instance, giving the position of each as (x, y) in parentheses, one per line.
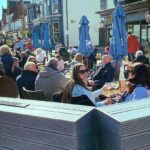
(83, 71)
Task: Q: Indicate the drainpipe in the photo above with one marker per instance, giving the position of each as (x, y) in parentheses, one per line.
(67, 24)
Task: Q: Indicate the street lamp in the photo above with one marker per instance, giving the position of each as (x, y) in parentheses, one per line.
(102, 24)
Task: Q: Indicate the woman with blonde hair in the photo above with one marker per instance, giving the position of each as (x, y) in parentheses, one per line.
(78, 58)
(6, 59)
(40, 55)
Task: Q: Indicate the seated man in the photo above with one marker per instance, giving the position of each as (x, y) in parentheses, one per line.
(104, 73)
(72, 50)
(50, 80)
(139, 57)
(27, 77)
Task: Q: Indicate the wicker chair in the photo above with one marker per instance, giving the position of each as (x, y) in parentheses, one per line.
(33, 95)
(8, 87)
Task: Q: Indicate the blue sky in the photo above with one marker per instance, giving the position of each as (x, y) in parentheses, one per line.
(4, 4)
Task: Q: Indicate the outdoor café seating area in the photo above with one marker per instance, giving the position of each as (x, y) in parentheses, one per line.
(55, 126)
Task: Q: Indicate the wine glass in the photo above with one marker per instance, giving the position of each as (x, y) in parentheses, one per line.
(115, 84)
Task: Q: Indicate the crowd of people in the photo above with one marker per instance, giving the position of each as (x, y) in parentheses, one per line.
(22, 65)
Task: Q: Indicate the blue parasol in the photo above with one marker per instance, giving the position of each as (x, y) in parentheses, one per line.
(118, 44)
(45, 38)
(35, 37)
(85, 45)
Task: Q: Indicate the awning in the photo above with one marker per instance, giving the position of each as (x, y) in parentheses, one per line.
(134, 11)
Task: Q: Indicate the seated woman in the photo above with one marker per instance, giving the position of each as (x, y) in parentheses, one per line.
(138, 84)
(78, 58)
(78, 87)
(6, 59)
(40, 55)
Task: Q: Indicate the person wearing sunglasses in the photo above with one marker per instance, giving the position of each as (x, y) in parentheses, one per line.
(78, 86)
(138, 84)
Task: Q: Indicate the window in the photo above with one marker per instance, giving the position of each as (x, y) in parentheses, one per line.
(54, 6)
(136, 30)
(31, 15)
(56, 33)
(103, 4)
(48, 2)
(48, 7)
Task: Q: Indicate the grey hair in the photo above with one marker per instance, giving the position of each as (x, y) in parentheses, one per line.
(53, 62)
(138, 53)
(30, 66)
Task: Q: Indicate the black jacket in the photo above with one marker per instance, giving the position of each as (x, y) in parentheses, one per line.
(27, 80)
(104, 74)
(142, 59)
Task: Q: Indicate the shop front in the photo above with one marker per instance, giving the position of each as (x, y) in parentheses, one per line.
(55, 28)
(136, 22)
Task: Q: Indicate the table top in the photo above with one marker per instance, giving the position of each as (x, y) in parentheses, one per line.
(118, 90)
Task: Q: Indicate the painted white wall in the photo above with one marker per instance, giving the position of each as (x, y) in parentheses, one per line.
(110, 4)
(76, 9)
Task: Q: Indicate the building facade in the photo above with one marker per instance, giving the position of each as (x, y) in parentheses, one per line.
(136, 12)
(47, 11)
(72, 13)
(14, 18)
(104, 5)
(63, 17)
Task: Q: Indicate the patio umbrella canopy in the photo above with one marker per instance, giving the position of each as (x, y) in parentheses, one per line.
(85, 45)
(45, 39)
(35, 37)
(118, 44)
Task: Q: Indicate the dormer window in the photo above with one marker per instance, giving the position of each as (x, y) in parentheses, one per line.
(55, 6)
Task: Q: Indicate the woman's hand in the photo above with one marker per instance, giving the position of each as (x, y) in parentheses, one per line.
(90, 82)
(108, 101)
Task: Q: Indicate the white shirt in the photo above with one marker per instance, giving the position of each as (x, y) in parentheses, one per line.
(72, 51)
(40, 57)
